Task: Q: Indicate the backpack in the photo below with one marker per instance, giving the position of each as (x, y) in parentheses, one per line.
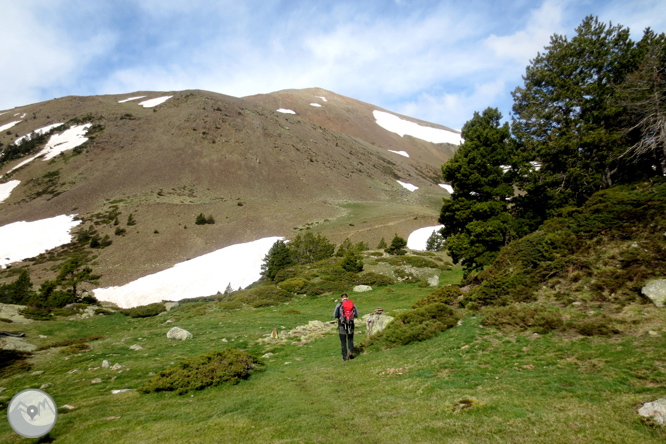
(347, 315)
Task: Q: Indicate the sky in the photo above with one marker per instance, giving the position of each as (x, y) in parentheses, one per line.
(438, 61)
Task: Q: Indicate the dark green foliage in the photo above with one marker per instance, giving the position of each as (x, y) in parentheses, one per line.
(374, 279)
(294, 285)
(228, 366)
(309, 248)
(144, 311)
(261, 296)
(68, 342)
(120, 231)
(13, 362)
(537, 318)
(448, 295)
(352, 262)
(73, 273)
(131, 220)
(435, 242)
(595, 326)
(417, 324)
(382, 244)
(17, 292)
(397, 246)
(277, 258)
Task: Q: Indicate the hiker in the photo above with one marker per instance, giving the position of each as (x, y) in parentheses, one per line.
(345, 312)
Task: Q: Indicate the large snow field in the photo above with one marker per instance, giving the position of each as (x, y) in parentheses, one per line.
(7, 188)
(418, 240)
(405, 128)
(238, 265)
(37, 132)
(286, 111)
(21, 240)
(130, 99)
(6, 126)
(154, 102)
(59, 143)
(409, 186)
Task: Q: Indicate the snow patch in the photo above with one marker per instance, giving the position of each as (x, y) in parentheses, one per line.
(6, 126)
(536, 165)
(418, 240)
(154, 102)
(402, 153)
(130, 99)
(447, 187)
(316, 104)
(403, 128)
(37, 132)
(286, 111)
(322, 98)
(21, 240)
(237, 265)
(59, 143)
(7, 188)
(409, 186)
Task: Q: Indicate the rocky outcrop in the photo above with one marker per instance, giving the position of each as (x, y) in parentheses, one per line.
(18, 344)
(179, 334)
(656, 291)
(376, 321)
(362, 288)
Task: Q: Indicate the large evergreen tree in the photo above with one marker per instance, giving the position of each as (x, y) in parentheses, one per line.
(476, 219)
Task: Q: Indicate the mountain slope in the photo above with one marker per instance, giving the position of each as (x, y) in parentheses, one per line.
(258, 171)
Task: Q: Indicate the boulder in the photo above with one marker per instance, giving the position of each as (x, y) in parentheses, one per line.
(375, 322)
(656, 291)
(362, 288)
(170, 305)
(136, 347)
(18, 344)
(433, 281)
(655, 410)
(13, 313)
(105, 364)
(179, 334)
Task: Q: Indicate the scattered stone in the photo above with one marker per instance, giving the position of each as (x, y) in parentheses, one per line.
(298, 359)
(111, 418)
(37, 373)
(655, 290)
(96, 381)
(433, 281)
(136, 347)
(224, 340)
(287, 363)
(654, 333)
(2, 389)
(464, 347)
(168, 321)
(18, 344)
(115, 392)
(42, 337)
(68, 407)
(170, 305)
(655, 410)
(116, 367)
(74, 370)
(179, 334)
(47, 385)
(13, 313)
(268, 355)
(362, 288)
(105, 364)
(151, 374)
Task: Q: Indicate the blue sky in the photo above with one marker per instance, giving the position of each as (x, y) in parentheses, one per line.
(435, 60)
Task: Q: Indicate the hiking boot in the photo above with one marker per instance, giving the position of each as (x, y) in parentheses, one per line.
(351, 356)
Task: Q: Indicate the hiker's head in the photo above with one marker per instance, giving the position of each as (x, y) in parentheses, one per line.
(344, 297)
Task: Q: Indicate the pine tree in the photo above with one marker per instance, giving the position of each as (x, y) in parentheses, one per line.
(73, 273)
(352, 262)
(277, 258)
(397, 246)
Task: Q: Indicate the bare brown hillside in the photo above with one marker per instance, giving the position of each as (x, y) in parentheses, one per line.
(258, 171)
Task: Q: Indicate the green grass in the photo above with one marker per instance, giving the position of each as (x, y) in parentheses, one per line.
(525, 388)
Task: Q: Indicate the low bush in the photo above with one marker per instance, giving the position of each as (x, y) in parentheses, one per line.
(144, 311)
(228, 366)
(294, 285)
(70, 342)
(374, 279)
(448, 295)
(413, 325)
(595, 326)
(537, 318)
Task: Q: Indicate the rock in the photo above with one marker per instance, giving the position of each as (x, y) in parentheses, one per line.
(115, 392)
(68, 407)
(376, 323)
(654, 333)
(96, 381)
(656, 291)
(179, 334)
(362, 288)
(37, 373)
(74, 370)
(12, 312)
(112, 418)
(170, 305)
(116, 366)
(316, 325)
(105, 364)
(267, 355)
(47, 385)
(655, 410)
(18, 344)
(136, 347)
(2, 389)
(433, 281)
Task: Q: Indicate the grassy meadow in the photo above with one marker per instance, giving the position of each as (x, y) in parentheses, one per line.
(469, 384)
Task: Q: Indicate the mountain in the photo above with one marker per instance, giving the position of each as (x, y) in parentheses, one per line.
(321, 162)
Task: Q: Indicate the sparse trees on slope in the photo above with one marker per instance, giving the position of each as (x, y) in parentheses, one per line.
(277, 258)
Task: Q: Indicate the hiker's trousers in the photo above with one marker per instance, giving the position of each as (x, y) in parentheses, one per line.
(345, 341)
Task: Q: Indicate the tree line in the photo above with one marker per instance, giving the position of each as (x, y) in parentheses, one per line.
(591, 114)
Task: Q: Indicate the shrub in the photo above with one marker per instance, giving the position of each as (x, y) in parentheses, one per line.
(397, 246)
(352, 262)
(446, 295)
(294, 285)
(265, 296)
(228, 366)
(70, 342)
(416, 324)
(144, 311)
(595, 326)
(537, 318)
(374, 279)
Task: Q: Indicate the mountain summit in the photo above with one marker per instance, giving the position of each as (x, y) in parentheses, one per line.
(140, 167)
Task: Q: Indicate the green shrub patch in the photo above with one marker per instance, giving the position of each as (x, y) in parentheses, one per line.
(228, 366)
(144, 311)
